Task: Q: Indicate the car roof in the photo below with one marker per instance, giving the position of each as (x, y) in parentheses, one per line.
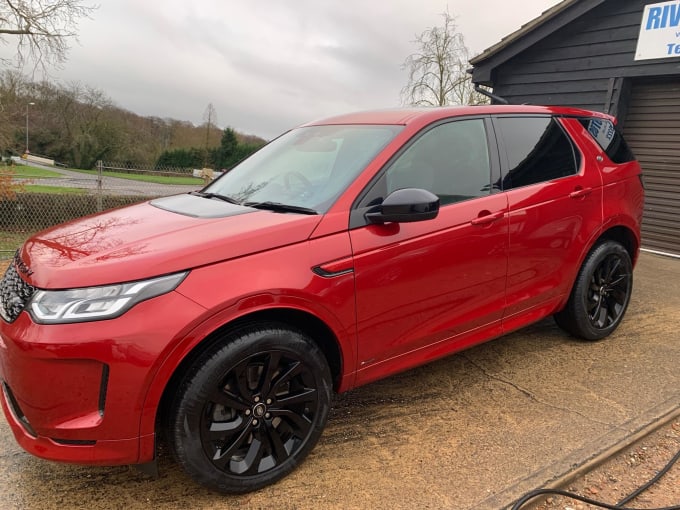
(405, 116)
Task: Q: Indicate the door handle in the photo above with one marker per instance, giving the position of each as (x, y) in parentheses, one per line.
(580, 193)
(487, 219)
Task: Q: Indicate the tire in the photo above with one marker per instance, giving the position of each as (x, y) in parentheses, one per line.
(250, 409)
(601, 293)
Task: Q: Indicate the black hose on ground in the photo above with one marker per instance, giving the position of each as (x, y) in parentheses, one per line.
(619, 506)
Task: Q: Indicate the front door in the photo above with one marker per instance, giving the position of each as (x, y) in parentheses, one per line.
(422, 286)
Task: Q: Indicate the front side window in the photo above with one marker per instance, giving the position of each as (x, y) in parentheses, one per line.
(537, 150)
(450, 160)
(308, 167)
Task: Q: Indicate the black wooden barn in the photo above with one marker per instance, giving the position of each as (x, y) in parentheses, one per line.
(617, 56)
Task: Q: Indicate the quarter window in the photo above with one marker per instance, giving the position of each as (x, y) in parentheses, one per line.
(450, 160)
(609, 139)
(537, 149)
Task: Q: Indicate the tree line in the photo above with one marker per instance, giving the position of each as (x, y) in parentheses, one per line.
(78, 125)
(229, 152)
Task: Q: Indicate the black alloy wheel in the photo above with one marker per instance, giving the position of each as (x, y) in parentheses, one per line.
(609, 291)
(601, 293)
(251, 410)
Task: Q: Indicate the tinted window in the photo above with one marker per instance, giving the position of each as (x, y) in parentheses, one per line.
(537, 149)
(609, 138)
(450, 160)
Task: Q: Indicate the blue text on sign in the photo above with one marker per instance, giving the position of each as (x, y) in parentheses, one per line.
(663, 17)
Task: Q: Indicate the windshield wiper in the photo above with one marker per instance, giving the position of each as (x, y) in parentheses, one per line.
(225, 198)
(279, 207)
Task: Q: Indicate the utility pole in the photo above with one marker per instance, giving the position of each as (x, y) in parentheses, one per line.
(210, 116)
(27, 105)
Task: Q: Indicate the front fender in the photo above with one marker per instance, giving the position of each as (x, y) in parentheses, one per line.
(233, 290)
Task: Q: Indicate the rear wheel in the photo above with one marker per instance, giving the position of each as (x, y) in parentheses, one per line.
(250, 409)
(601, 293)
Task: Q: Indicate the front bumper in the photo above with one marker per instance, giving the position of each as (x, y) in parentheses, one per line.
(107, 453)
(76, 392)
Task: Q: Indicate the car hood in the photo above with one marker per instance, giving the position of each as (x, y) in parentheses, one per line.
(154, 238)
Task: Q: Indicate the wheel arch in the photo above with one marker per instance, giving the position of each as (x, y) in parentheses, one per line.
(623, 235)
(619, 233)
(311, 325)
(608, 293)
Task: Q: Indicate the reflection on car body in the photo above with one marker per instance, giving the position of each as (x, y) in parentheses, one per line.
(342, 252)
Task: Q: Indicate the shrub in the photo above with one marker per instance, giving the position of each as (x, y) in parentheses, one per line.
(8, 187)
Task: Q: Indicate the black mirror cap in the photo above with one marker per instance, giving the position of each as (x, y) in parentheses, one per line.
(405, 206)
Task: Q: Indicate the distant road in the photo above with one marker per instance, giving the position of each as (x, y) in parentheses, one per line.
(114, 185)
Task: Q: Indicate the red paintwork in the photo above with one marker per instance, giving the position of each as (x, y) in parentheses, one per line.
(549, 233)
(428, 303)
(89, 252)
(402, 305)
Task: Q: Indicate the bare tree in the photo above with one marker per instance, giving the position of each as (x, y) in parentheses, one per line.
(90, 131)
(438, 70)
(41, 28)
(13, 91)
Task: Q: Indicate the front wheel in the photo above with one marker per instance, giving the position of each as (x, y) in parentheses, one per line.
(250, 409)
(601, 293)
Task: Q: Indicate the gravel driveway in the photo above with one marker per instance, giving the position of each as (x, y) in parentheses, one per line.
(472, 431)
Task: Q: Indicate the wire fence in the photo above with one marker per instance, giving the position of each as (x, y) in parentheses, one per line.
(39, 197)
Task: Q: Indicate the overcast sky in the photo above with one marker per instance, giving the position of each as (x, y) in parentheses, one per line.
(267, 66)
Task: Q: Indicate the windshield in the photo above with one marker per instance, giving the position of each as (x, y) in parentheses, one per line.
(308, 167)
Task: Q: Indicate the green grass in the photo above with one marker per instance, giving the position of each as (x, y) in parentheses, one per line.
(10, 241)
(158, 179)
(30, 172)
(56, 190)
(39, 173)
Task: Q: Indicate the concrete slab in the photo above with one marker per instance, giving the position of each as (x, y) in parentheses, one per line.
(476, 430)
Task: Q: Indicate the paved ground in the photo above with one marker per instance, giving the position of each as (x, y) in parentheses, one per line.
(117, 185)
(622, 475)
(476, 430)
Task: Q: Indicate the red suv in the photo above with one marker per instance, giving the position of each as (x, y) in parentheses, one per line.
(344, 251)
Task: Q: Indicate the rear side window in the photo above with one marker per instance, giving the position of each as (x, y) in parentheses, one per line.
(538, 150)
(605, 133)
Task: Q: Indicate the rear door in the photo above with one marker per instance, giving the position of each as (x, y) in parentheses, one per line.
(419, 284)
(554, 199)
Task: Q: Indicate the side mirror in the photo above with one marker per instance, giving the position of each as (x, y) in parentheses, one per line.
(405, 206)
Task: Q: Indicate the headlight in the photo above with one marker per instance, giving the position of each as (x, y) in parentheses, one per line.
(97, 303)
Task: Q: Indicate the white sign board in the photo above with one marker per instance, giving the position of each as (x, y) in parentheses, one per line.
(659, 31)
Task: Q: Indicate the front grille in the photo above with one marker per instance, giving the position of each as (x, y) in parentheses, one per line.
(14, 294)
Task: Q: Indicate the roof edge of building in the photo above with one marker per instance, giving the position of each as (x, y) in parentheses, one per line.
(524, 30)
